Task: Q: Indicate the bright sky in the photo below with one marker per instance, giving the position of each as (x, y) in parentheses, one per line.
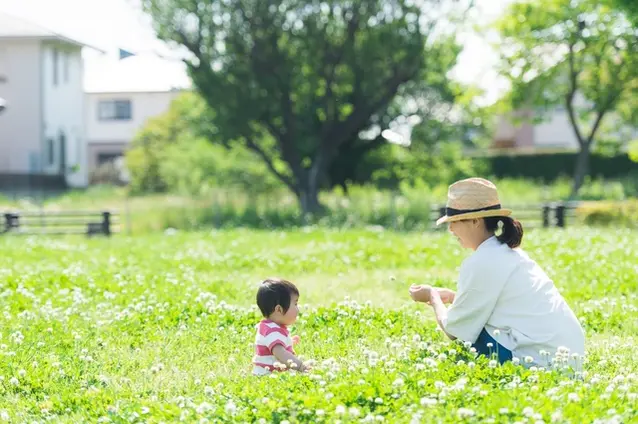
(113, 24)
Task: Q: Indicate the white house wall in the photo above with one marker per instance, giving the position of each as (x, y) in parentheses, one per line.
(143, 106)
(63, 112)
(20, 123)
(556, 131)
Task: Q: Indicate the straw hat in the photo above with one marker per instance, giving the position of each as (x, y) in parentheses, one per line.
(472, 198)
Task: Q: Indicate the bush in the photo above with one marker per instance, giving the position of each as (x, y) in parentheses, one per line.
(549, 167)
(171, 154)
(617, 214)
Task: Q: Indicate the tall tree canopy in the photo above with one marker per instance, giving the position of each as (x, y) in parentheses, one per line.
(299, 81)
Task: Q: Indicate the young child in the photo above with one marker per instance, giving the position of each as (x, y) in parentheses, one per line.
(277, 300)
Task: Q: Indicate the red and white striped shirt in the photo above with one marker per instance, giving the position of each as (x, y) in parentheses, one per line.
(269, 334)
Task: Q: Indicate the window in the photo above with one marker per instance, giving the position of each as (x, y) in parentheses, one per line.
(114, 110)
(55, 66)
(103, 158)
(50, 152)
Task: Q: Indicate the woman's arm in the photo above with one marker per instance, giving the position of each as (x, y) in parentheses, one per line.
(440, 311)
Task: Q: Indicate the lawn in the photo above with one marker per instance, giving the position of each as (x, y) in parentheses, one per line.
(159, 328)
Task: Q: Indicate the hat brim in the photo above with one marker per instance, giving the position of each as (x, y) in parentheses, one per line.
(473, 215)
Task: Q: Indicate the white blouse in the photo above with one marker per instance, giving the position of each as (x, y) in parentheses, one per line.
(502, 288)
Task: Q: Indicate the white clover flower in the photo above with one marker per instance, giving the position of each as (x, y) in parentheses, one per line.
(398, 382)
(340, 410)
(529, 359)
(573, 397)
(497, 332)
(231, 408)
(378, 401)
(320, 412)
(557, 416)
(14, 381)
(492, 364)
(503, 411)
(516, 361)
(528, 411)
(465, 413)
(428, 401)
(354, 412)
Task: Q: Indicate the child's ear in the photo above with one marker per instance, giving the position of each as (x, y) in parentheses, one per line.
(279, 309)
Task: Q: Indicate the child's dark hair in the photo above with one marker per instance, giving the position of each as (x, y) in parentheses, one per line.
(511, 233)
(273, 292)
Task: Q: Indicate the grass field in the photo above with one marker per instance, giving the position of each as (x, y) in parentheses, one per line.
(159, 328)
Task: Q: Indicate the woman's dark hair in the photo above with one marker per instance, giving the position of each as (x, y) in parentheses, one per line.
(273, 292)
(511, 232)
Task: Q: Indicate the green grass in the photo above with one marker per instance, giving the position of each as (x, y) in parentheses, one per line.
(160, 329)
(407, 209)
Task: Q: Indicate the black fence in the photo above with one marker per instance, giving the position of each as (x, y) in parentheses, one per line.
(89, 223)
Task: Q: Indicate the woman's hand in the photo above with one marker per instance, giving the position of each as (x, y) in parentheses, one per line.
(447, 295)
(421, 293)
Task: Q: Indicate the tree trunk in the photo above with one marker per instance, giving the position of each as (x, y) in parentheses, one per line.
(308, 192)
(581, 170)
(309, 201)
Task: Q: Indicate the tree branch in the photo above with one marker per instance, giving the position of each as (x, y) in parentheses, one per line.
(270, 164)
(569, 98)
(613, 95)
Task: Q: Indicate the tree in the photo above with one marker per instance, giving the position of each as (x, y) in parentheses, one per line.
(172, 153)
(297, 81)
(577, 53)
(630, 7)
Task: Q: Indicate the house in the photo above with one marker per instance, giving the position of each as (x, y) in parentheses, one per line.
(526, 131)
(42, 131)
(121, 95)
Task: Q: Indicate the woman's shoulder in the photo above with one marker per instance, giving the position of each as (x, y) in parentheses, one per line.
(497, 257)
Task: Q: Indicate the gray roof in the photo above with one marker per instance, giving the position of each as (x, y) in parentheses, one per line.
(14, 27)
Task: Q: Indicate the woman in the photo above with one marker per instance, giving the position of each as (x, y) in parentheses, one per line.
(505, 303)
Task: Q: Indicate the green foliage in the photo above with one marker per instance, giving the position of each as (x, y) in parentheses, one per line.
(617, 214)
(633, 150)
(299, 81)
(629, 7)
(580, 54)
(548, 167)
(441, 164)
(172, 153)
(160, 329)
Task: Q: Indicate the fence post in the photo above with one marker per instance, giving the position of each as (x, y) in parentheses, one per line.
(560, 215)
(7, 222)
(106, 223)
(11, 221)
(546, 209)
